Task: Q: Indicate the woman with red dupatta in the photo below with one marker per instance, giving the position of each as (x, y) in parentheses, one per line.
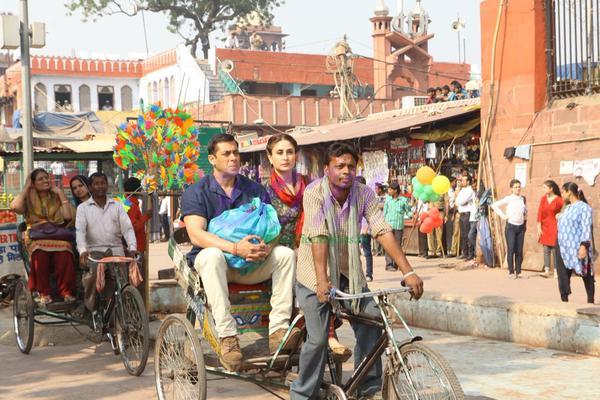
(286, 189)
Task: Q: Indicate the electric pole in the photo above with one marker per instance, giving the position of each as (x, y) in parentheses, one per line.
(26, 77)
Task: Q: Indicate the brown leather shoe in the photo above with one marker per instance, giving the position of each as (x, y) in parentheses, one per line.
(231, 354)
(276, 338)
(339, 352)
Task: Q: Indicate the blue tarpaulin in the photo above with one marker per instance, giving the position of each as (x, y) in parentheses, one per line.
(573, 71)
(53, 121)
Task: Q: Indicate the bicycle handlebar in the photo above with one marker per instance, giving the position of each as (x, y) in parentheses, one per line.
(123, 259)
(337, 294)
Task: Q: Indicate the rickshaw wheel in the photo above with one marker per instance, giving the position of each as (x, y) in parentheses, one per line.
(178, 361)
(132, 331)
(23, 316)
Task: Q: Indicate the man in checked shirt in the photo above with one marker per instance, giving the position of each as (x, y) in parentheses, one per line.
(329, 254)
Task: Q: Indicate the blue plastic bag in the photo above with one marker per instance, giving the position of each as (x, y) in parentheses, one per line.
(255, 218)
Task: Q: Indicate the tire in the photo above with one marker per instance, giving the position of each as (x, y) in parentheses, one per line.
(23, 316)
(179, 369)
(333, 392)
(7, 287)
(132, 331)
(430, 372)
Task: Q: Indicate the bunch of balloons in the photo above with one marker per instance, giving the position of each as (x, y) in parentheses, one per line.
(430, 220)
(428, 186)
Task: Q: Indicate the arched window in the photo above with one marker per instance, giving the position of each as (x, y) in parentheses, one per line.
(167, 101)
(126, 98)
(40, 96)
(149, 98)
(155, 97)
(161, 91)
(85, 99)
(172, 94)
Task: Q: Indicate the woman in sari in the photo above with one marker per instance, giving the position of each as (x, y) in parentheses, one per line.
(80, 189)
(43, 204)
(286, 190)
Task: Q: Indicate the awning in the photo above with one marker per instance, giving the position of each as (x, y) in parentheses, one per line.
(374, 124)
(90, 146)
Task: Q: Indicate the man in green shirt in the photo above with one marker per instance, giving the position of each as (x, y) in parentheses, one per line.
(395, 209)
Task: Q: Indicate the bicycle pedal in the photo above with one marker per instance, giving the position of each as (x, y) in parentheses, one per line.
(113, 342)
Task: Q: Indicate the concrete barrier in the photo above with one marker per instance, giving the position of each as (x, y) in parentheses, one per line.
(560, 326)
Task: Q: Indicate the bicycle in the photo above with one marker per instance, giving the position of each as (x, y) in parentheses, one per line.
(121, 317)
(412, 370)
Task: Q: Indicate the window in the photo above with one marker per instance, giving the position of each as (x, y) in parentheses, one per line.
(62, 98)
(172, 87)
(126, 98)
(85, 98)
(149, 94)
(167, 93)
(161, 91)
(40, 97)
(154, 92)
(106, 98)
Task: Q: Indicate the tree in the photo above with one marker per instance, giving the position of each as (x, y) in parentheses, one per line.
(193, 20)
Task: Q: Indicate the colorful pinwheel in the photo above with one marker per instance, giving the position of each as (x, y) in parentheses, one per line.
(161, 147)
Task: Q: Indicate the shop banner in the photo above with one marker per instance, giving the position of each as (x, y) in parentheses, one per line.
(10, 257)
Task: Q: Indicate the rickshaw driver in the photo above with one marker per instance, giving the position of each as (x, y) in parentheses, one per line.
(329, 256)
(101, 224)
(223, 190)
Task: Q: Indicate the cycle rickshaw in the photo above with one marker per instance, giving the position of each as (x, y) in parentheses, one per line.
(121, 316)
(186, 347)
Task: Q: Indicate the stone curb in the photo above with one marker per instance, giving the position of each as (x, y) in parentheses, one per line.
(560, 326)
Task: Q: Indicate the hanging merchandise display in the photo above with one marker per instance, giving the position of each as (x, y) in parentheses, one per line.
(375, 167)
(405, 158)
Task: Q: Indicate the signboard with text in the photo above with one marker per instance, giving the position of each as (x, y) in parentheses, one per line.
(10, 257)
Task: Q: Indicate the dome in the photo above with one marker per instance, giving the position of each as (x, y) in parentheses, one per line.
(382, 10)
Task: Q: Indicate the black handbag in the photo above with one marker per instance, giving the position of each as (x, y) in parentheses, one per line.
(50, 231)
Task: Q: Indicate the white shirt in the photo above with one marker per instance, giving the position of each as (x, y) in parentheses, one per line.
(451, 198)
(464, 200)
(165, 206)
(98, 229)
(58, 169)
(515, 209)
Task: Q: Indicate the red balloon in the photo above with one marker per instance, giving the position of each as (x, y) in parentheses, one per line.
(438, 222)
(426, 226)
(434, 213)
(423, 216)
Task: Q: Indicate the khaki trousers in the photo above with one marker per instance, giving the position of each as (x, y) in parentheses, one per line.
(279, 266)
(434, 242)
(456, 236)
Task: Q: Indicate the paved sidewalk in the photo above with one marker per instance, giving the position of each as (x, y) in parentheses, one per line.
(449, 276)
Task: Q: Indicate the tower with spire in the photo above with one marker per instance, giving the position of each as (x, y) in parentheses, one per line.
(400, 47)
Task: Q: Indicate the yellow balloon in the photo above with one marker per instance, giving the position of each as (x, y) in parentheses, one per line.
(425, 175)
(440, 184)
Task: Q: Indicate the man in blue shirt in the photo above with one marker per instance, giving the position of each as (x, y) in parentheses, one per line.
(223, 190)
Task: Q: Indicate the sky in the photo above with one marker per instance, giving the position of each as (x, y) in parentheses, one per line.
(313, 25)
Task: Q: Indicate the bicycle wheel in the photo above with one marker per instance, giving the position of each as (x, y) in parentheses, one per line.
(23, 316)
(178, 361)
(333, 392)
(432, 376)
(133, 333)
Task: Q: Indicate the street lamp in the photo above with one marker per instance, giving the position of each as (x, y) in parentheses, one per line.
(14, 33)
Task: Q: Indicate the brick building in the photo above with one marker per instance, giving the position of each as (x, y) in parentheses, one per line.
(290, 89)
(546, 99)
